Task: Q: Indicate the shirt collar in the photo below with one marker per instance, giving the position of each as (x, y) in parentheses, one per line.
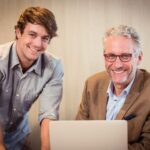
(124, 92)
(37, 66)
(14, 57)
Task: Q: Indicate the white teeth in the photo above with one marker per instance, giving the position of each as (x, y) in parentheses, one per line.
(34, 50)
(118, 71)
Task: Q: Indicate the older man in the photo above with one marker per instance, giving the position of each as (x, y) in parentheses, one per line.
(123, 91)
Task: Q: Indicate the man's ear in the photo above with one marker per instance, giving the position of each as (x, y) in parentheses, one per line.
(18, 33)
(140, 57)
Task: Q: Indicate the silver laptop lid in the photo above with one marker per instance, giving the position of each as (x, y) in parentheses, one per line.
(88, 135)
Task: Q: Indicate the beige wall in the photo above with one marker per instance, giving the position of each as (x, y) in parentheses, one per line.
(81, 25)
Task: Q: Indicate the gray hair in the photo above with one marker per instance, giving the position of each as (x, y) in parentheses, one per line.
(125, 31)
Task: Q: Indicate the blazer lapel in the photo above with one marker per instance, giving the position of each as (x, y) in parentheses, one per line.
(102, 102)
(132, 96)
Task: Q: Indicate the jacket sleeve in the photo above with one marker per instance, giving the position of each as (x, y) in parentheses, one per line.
(83, 112)
(144, 140)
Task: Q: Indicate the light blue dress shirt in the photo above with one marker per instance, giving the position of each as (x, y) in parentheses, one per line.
(115, 103)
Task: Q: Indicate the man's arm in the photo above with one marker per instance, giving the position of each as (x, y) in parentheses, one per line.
(45, 144)
(144, 140)
(50, 99)
(83, 112)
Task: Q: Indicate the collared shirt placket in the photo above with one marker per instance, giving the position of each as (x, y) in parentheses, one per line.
(15, 105)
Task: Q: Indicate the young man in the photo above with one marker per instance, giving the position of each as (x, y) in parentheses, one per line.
(28, 72)
(123, 91)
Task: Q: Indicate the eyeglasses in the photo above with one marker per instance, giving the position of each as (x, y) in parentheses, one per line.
(125, 57)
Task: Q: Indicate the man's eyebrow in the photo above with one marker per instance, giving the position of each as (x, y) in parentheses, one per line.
(32, 32)
(47, 35)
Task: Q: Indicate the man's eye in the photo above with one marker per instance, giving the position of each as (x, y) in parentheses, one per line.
(111, 56)
(32, 35)
(46, 38)
(125, 56)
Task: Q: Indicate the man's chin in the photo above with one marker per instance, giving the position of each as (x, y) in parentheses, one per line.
(34, 57)
(119, 80)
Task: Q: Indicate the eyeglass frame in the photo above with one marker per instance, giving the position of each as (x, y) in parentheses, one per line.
(130, 55)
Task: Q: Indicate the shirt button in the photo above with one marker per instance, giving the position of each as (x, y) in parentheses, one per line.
(14, 109)
(11, 123)
(17, 95)
(6, 91)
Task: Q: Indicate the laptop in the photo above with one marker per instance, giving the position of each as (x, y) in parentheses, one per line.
(88, 135)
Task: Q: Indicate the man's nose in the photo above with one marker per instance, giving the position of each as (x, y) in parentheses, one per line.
(118, 62)
(38, 41)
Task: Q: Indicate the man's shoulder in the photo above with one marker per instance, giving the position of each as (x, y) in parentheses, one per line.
(4, 49)
(146, 76)
(51, 61)
(100, 78)
(6, 45)
(143, 74)
(50, 58)
(142, 81)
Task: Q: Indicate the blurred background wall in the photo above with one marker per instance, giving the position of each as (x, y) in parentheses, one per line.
(81, 25)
